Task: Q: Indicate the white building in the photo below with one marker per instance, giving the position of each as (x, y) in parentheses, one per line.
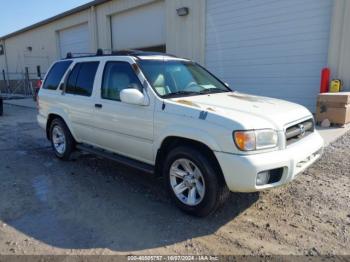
(265, 47)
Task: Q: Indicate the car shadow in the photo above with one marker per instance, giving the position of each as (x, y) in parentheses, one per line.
(91, 202)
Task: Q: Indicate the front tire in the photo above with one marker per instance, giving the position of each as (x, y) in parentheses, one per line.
(62, 141)
(194, 181)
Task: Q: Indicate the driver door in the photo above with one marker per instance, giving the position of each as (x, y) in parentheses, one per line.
(123, 128)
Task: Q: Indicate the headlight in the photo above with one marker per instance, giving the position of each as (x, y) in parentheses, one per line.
(255, 140)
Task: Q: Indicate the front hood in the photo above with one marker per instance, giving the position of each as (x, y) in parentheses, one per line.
(252, 112)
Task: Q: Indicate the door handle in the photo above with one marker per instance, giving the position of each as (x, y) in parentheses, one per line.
(98, 105)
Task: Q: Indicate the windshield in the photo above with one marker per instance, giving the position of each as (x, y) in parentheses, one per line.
(180, 78)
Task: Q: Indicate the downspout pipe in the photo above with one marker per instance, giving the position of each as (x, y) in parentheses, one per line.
(6, 64)
(94, 27)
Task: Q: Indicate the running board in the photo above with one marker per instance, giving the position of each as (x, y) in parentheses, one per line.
(118, 158)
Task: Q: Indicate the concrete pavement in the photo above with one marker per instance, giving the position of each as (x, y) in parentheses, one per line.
(330, 134)
(93, 206)
(25, 102)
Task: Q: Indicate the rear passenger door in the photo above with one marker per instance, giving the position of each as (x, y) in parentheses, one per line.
(79, 99)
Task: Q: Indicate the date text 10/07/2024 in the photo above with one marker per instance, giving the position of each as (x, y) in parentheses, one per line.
(172, 258)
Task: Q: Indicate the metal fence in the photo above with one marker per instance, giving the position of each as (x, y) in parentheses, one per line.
(14, 84)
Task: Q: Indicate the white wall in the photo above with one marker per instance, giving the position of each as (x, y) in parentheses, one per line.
(339, 49)
(271, 48)
(184, 35)
(247, 31)
(2, 61)
(140, 27)
(103, 18)
(75, 39)
(44, 43)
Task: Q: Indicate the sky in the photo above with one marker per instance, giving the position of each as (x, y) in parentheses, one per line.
(17, 14)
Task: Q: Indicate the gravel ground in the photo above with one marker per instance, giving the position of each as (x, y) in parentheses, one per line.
(93, 206)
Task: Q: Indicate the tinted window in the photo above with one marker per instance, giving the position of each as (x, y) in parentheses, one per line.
(72, 79)
(116, 77)
(81, 80)
(86, 77)
(55, 75)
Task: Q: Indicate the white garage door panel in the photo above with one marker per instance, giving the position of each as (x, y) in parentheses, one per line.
(268, 47)
(75, 40)
(142, 27)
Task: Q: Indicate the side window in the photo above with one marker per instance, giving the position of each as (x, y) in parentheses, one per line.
(55, 75)
(72, 79)
(86, 78)
(116, 77)
(81, 80)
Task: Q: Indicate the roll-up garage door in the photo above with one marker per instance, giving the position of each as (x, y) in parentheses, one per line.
(75, 40)
(141, 28)
(268, 47)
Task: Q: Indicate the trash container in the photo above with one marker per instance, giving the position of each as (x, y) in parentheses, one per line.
(1, 106)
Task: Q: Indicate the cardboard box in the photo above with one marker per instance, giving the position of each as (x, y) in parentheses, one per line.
(341, 97)
(335, 107)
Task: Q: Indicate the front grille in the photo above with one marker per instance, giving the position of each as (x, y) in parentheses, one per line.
(299, 131)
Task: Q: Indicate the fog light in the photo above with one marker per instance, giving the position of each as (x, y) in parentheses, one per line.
(262, 178)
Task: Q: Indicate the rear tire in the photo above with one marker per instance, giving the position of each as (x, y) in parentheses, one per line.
(194, 181)
(62, 141)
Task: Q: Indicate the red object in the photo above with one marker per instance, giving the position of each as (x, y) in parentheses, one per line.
(325, 77)
(36, 91)
(38, 83)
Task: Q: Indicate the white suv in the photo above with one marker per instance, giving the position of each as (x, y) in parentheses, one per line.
(170, 116)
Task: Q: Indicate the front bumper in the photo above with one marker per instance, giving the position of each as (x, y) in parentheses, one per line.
(240, 171)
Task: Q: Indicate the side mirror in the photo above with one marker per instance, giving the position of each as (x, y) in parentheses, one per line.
(135, 86)
(132, 96)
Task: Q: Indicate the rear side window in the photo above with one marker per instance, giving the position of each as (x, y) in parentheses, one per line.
(72, 79)
(55, 75)
(81, 79)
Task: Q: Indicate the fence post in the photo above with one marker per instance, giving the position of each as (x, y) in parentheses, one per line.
(1, 101)
(7, 80)
(38, 71)
(4, 77)
(26, 85)
(1, 106)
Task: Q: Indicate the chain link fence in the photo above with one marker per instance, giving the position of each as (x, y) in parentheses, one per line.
(16, 85)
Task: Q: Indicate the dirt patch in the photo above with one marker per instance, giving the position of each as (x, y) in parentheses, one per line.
(92, 206)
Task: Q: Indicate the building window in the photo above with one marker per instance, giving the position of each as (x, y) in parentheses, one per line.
(2, 51)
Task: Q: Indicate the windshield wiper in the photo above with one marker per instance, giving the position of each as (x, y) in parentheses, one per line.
(180, 93)
(212, 90)
(192, 93)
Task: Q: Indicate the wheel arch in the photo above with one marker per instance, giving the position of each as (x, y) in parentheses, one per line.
(171, 142)
(51, 117)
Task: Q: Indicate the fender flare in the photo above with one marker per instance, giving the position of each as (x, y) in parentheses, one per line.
(62, 114)
(195, 134)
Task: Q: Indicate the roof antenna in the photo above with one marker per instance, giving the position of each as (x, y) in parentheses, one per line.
(69, 55)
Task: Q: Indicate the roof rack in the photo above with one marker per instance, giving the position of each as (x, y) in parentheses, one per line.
(136, 53)
(126, 52)
(77, 55)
